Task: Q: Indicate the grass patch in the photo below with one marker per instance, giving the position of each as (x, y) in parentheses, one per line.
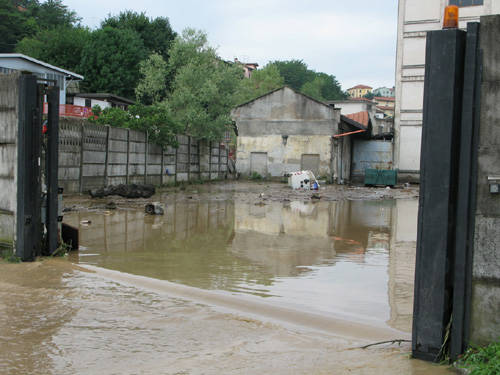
(8, 255)
(482, 360)
(255, 176)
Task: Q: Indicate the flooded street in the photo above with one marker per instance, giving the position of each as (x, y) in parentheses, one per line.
(351, 259)
(219, 287)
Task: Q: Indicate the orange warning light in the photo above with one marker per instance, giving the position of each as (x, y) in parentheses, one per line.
(450, 17)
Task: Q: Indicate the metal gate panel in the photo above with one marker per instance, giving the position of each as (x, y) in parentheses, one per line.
(373, 154)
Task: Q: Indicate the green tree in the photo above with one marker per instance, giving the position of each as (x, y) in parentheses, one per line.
(204, 87)
(20, 19)
(369, 95)
(261, 82)
(155, 119)
(314, 89)
(14, 25)
(156, 34)
(323, 87)
(51, 14)
(152, 87)
(110, 61)
(295, 73)
(61, 46)
(330, 88)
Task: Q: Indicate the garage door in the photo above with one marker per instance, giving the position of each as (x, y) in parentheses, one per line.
(258, 163)
(310, 162)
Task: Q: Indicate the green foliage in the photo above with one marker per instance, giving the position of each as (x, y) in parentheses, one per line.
(9, 256)
(155, 119)
(320, 86)
(14, 25)
(261, 82)
(314, 88)
(369, 95)
(204, 87)
(110, 61)
(152, 87)
(52, 14)
(295, 73)
(20, 19)
(156, 34)
(482, 360)
(61, 46)
(255, 176)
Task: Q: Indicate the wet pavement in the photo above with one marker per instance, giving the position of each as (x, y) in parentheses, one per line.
(219, 285)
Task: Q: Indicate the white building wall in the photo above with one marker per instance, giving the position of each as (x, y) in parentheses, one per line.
(101, 103)
(415, 18)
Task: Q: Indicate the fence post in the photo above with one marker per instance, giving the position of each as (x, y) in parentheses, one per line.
(127, 178)
(162, 171)
(210, 160)
(82, 142)
(189, 158)
(146, 150)
(106, 160)
(176, 160)
(218, 165)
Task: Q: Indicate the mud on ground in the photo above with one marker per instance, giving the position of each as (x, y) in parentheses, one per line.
(244, 192)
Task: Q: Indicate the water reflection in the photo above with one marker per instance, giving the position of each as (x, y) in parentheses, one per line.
(352, 258)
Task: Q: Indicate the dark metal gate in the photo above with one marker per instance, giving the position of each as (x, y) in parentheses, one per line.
(33, 238)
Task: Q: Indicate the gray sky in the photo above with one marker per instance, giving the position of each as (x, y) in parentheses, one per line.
(354, 40)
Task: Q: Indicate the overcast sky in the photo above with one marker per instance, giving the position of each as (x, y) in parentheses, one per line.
(354, 40)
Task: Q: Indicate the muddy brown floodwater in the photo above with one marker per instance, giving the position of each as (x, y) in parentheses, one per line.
(221, 284)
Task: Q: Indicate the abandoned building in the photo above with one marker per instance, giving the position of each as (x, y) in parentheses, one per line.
(285, 131)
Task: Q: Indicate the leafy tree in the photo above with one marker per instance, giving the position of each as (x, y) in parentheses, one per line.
(261, 82)
(156, 34)
(61, 46)
(204, 87)
(155, 119)
(152, 87)
(110, 61)
(51, 14)
(298, 76)
(369, 95)
(314, 88)
(294, 72)
(19, 19)
(14, 25)
(330, 89)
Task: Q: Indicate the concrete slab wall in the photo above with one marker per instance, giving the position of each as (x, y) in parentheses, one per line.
(485, 319)
(9, 106)
(91, 156)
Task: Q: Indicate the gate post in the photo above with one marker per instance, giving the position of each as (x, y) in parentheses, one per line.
(438, 188)
(52, 165)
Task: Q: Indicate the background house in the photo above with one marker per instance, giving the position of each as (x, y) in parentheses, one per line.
(285, 131)
(54, 75)
(416, 17)
(385, 104)
(384, 91)
(359, 91)
(103, 100)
